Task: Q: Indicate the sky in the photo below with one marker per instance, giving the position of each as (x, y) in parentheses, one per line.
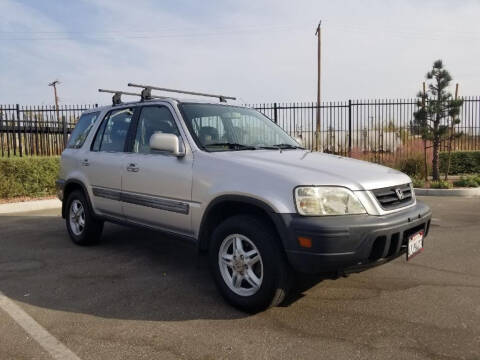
(259, 51)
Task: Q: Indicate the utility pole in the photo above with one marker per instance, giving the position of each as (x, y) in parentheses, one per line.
(54, 85)
(318, 33)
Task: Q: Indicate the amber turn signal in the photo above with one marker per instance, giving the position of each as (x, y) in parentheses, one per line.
(304, 242)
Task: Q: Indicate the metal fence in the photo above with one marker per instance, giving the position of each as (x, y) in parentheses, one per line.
(375, 130)
(36, 130)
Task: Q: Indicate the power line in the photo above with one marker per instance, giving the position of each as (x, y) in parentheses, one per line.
(255, 27)
(408, 34)
(108, 35)
(171, 32)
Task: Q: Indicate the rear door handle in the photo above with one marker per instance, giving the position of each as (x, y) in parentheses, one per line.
(132, 168)
(85, 162)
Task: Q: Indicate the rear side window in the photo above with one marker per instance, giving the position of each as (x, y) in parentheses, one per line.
(81, 131)
(112, 133)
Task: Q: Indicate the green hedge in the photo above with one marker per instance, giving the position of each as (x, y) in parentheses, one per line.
(28, 176)
(462, 162)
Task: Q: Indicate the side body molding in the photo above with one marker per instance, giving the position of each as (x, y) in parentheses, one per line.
(132, 198)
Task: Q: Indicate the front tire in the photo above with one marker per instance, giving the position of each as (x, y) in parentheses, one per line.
(247, 264)
(84, 229)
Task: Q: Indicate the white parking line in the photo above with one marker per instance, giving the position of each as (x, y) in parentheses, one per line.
(46, 340)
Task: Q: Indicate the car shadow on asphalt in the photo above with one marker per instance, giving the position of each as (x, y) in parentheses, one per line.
(132, 274)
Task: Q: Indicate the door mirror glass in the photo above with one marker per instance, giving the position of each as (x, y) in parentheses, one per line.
(170, 143)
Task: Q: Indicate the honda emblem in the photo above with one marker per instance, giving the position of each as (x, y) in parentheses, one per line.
(399, 193)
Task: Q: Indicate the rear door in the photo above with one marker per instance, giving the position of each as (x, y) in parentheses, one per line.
(156, 186)
(104, 162)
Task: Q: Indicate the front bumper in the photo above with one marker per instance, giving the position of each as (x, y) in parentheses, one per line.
(59, 186)
(344, 243)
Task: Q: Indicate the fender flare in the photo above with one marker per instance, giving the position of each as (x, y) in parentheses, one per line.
(85, 192)
(277, 221)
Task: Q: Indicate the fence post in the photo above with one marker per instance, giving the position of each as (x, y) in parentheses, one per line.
(19, 130)
(14, 136)
(349, 128)
(275, 113)
(1, 130)
(64, 122)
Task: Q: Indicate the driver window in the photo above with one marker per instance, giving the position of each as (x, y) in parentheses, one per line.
(153, 119)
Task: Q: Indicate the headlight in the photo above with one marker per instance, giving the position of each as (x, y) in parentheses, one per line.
(323, 200)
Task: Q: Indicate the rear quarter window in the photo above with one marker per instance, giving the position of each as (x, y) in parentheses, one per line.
(81, 131)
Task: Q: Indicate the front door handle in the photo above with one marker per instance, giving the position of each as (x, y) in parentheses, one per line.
(85, 162)
(132, 168)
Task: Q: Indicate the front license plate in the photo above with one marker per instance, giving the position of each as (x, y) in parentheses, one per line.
(415, 244)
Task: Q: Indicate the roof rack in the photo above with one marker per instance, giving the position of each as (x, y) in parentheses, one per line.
(147, 92)
(117, 95)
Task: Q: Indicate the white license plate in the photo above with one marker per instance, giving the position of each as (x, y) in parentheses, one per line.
(415, 244)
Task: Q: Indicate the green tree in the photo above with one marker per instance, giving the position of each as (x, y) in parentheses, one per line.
(437, 112)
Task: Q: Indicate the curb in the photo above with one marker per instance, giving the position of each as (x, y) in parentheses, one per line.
(11, 208)
(464, 192)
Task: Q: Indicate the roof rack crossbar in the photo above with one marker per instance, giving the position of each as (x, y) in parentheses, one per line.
(117, 95)
(116, 98)
(147, 91)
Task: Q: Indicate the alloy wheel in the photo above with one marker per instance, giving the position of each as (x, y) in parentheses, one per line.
(77, 217)
(240, 264)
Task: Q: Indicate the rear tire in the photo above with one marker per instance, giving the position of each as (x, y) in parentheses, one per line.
(84, 229)
(249, 268)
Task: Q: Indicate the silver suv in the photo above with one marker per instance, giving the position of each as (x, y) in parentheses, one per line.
(234, 183)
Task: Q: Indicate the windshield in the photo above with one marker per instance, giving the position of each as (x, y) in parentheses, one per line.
(224, 128)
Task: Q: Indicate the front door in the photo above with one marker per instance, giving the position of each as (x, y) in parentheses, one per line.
(104, 162)
(157, 186)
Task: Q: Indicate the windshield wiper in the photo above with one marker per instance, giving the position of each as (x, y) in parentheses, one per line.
(235, 146)
(282, 146)
(288, 146)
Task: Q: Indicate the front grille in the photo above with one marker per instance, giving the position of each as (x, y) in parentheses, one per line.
(389, 199)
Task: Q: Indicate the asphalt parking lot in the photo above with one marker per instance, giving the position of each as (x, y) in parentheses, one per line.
(141, 296)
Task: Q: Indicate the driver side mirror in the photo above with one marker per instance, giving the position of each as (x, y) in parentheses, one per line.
(170, 143)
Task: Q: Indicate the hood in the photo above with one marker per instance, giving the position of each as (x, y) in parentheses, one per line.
(302, 167)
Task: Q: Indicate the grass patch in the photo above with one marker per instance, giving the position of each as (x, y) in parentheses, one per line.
(418, 182)
(468, 181)
(441, 184)
(28, 176)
